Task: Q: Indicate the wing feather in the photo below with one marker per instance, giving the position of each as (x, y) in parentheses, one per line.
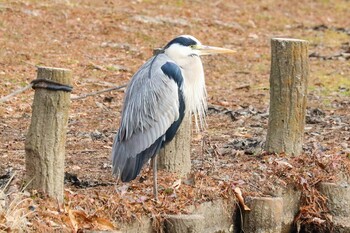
(151, 106)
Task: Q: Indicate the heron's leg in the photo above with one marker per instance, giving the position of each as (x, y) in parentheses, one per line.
(155, 184)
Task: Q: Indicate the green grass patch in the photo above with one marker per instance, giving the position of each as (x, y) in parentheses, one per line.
(328, 38)
(330, 84)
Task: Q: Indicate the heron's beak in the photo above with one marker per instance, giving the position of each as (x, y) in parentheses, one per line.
(207, 50)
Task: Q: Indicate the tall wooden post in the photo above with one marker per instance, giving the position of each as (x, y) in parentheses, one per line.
(176, 155)
(46, 138)
(288, 89)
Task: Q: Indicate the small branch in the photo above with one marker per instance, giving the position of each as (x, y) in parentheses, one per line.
(6, 98)
(98, 92)
(9, 181)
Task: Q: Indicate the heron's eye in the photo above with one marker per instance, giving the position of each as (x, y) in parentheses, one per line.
(193, 46)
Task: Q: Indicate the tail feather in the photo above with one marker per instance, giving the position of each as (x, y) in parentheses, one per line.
(132, 165)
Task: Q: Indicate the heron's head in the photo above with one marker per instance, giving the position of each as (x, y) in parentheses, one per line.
(184, 48)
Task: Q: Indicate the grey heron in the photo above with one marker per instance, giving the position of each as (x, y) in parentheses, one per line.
(159, 94)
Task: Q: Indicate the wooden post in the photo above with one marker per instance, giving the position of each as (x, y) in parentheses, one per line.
(338, 198)
(46, 138)
(265, 215)
(176, 155)
(288, 90)
(184, 223)
(338, 203)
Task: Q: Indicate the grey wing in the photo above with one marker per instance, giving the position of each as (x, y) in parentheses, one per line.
(151, 106)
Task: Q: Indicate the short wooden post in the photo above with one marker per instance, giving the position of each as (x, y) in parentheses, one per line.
(338, 203)
(176, 155)
(338, 198)
(46, 138)
(265, 215)
(288, 90)
(184, 223)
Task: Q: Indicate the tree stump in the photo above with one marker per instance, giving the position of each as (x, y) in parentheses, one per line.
(265, 215)
(46, 138)
(176, 155)
(288, 90)
(291, 205)
(184, 223)
(338, 203)
(338, 198)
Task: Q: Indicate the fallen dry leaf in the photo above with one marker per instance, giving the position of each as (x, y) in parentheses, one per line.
(238, 194)
(73, 220)
(102, 223)
(176, 184)
(318, 220)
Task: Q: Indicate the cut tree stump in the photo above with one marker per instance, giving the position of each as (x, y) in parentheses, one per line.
(46, 138)
(291, 205)
(184, 223)
(265, 215)
(176, 155)
(218, 215)
(288, 89)
(338, 203)
(338, 198)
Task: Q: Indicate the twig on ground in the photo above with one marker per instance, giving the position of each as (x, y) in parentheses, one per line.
(9, 181)
(98, 92)
(6, 98)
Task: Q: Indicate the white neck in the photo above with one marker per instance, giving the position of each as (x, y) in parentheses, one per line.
(194, 82)
(195, 92)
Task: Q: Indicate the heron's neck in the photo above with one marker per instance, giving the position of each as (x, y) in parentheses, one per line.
(194, 90)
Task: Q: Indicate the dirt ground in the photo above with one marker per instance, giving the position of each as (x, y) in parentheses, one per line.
(104, 43)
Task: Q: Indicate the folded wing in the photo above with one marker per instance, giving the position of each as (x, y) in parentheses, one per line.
(153, 110)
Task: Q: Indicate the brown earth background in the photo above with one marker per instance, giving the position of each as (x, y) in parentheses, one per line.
(104, 43)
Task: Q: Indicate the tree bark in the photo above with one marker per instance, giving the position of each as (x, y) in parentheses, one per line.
(184, 223)
(265, 215)
(46, 138)
(338, 198)
(338, 203)
(176, 155)
(288, 90)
